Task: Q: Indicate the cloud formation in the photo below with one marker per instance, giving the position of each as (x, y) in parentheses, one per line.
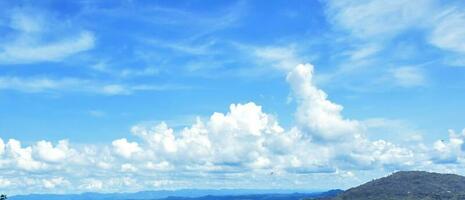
(376, 21)
(408, 76)
(44, 84)
(315, 113)
(245, 141)
(31, 42)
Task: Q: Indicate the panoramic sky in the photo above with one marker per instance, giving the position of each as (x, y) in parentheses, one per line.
(121, 96)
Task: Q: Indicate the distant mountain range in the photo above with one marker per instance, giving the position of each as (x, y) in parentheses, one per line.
(223, 194)
(408, 185)
(293, 196)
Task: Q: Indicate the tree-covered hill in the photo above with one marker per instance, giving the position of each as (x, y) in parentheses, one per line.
(409, 185)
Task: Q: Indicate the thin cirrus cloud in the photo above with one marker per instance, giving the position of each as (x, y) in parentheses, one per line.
(376, 21)
(21, 52)
(44, 85)
(378, 35)
(449, 32)
(245, 141)
(409, 76)
(31, 42)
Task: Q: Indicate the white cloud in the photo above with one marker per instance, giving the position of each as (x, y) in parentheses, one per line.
(35, 84)
(162, 166)
(387, 154)
(55, 182)
(22, 157)
(243, 142)
(108, 68)
(92, 185)
(32, 42)
(315, 114)
(97, 113)
(2, 147)
(124, 148)
(283, 58)
(378, 21)
(160, 137)
(243, 139)
(21, 52)
(44, 84)
(408, 76)
(364, 51)
(4, 183)
(448, 32)
(371, 19)
(201, 49)
(148, 71)
(451, 150)
(47, 152)
(21, 21)
(115, 89)
(127, 167)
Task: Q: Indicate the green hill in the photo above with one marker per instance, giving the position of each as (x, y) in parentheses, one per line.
(409, 185)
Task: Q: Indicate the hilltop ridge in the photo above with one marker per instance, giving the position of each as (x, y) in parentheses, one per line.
(409, 185)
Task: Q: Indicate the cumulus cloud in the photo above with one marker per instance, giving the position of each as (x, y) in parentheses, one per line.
(92, 185)
(225, 140)
(47, 152)
(124, 148)
(243, 142)
(315, 113)
(2, 146)
(450, 150)
(22, 157)
(128, 168)
(4, 183)
(55, 182)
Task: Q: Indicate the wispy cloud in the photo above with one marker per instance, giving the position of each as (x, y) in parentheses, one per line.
(363, 52)
(378, 20)
(96, 113)
(185, 47)
(373, 36)
(107, 68)
(280, 57)
(21, 52)
(449, 33)
(34, 40)
(199, 24)
(40, 84)
(408, 76)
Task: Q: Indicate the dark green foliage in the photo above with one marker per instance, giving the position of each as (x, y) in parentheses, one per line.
(3, 197)
(410, 185)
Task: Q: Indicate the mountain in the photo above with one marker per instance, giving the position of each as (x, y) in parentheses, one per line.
(191, 194)
(293, 196)
(409, 185)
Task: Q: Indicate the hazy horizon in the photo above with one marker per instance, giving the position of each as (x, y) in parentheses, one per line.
(126, 96)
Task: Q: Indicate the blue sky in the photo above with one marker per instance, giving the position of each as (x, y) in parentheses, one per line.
(306, 89)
